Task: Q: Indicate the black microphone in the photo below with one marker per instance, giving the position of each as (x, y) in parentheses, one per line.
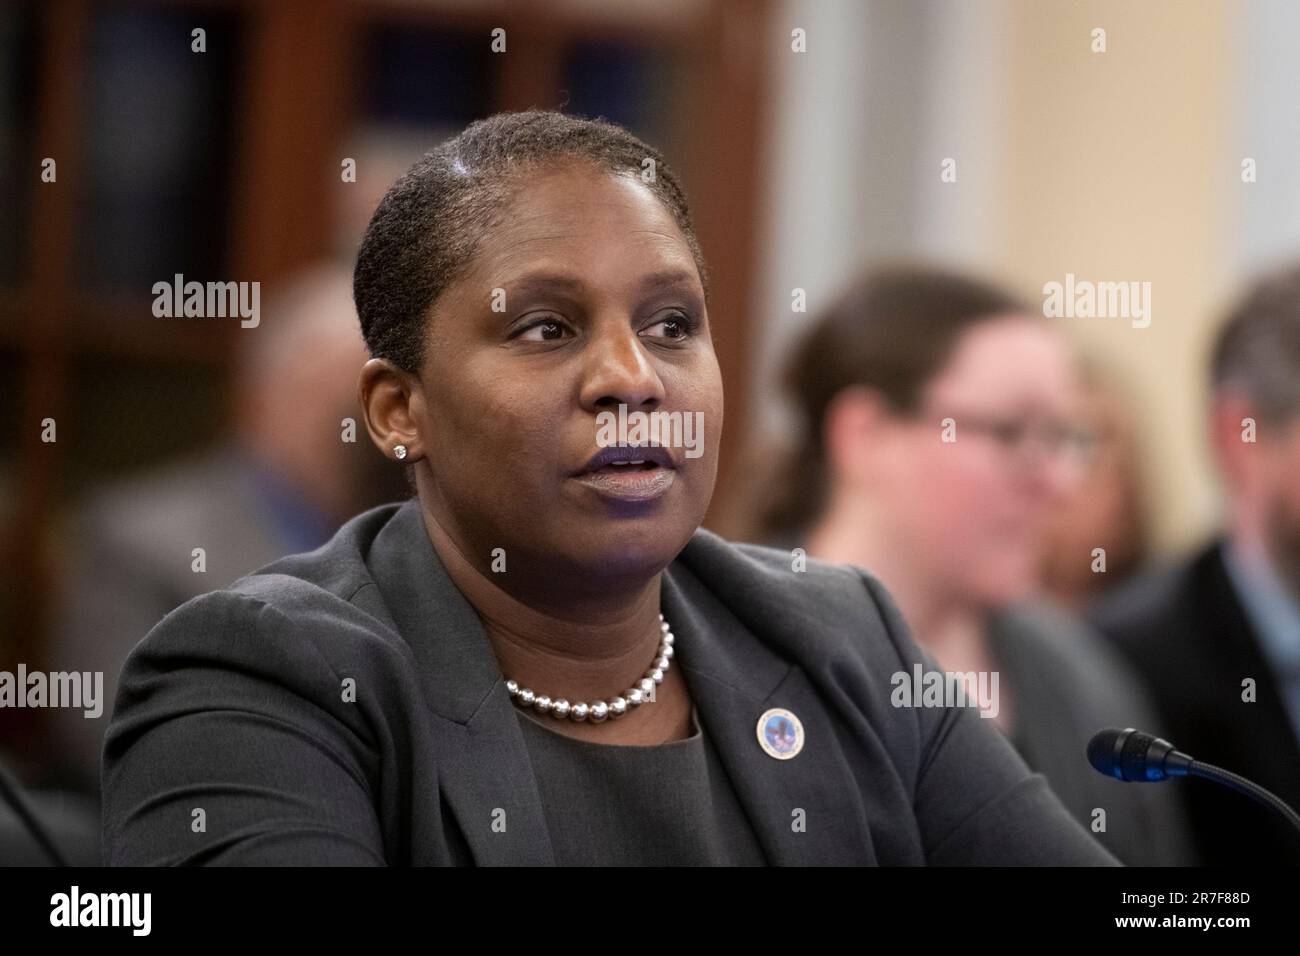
(1133, 756)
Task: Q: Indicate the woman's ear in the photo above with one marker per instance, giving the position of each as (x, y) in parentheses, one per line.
(853, 432)
(393, 404)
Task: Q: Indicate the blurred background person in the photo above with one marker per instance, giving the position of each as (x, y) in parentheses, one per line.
(1230, 613)
(954, 528)
(280, 482)
(1105, 509)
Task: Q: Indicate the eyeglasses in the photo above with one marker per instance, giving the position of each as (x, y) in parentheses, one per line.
(1027, 440)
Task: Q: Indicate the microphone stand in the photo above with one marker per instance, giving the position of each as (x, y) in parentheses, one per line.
(1209, 771)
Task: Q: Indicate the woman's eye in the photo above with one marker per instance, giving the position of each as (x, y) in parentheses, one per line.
(545, 331)
(677, 325)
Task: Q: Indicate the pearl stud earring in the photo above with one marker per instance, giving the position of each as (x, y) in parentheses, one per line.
(399, 451)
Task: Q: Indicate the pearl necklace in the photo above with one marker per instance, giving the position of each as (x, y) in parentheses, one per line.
(601, 710)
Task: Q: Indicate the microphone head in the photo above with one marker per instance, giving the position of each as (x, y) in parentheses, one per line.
(1102, 750)
(1130, 754)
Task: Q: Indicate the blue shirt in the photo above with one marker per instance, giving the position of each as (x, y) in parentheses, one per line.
(1274, 612)
(292, 519)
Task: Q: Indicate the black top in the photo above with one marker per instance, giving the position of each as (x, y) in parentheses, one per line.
(669, 804)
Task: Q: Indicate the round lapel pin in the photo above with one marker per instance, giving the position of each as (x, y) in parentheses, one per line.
(780, 734)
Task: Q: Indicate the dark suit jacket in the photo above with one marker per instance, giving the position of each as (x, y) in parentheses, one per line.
(1188, 634)
(231, 740)
(1066, 682)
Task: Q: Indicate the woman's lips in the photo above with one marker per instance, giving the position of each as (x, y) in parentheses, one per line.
(630, 482)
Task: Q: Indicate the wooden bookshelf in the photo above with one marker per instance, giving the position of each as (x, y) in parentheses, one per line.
(295, 95)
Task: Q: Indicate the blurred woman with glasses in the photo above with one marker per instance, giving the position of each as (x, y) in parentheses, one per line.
(937, 439)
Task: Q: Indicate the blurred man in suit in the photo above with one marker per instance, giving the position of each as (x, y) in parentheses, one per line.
(1218, 638)
(280, 482)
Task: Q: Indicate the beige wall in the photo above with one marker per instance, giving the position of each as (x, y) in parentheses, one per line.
(1115, 166)
(1120, 166)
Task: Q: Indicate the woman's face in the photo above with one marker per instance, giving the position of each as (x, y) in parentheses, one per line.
(583, 297)
(975, 508)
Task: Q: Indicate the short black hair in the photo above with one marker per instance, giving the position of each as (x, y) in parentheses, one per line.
(431, 222)
(1258, 348)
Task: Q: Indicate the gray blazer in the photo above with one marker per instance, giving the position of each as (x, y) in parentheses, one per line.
(234, 739)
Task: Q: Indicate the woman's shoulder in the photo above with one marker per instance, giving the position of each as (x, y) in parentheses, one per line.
(789, 571)
(276, 697)
(305, 602)
(818, 610)
(1069, 661)
(337, 570)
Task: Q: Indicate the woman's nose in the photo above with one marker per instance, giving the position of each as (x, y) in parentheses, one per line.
(620, 372)
(1054, 478)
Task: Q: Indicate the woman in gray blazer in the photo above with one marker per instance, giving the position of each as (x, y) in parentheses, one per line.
(541, 658)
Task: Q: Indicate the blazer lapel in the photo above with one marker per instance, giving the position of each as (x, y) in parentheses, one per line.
(484, 771)
(734, 678)
(482, 759)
